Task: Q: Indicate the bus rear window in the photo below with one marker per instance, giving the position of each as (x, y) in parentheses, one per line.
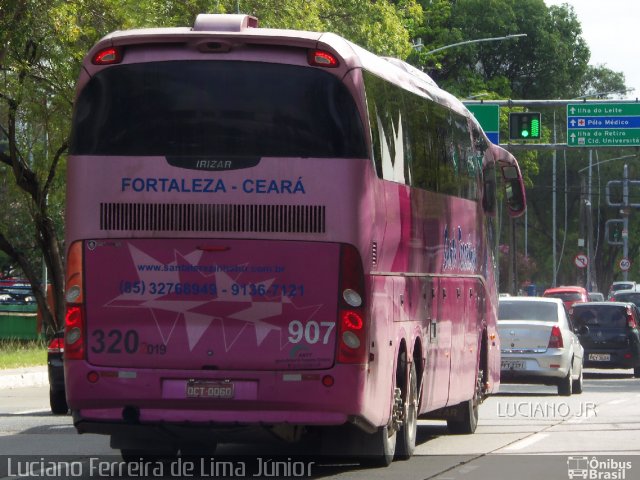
(217, 108)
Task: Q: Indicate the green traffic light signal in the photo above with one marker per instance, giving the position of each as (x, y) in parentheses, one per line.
(617, 235)
(524, 125)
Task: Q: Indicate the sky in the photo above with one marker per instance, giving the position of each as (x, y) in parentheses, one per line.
(611, 28)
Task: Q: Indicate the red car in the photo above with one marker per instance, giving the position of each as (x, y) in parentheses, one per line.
(569, 295)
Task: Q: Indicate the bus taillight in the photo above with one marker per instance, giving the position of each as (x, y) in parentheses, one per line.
(352, 346)
(322, 58)
(73, 336)
(107, 56)
(74, 319)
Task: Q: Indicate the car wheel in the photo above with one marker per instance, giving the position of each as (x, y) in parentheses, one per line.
(636, 372)
(565, 386)
(577, 384)
(58, 402)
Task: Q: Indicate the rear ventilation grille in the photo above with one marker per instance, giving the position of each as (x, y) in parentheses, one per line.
(184, 217)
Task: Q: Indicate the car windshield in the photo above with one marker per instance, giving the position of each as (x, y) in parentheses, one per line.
(565, 296)
(540, 311)
(609, 316)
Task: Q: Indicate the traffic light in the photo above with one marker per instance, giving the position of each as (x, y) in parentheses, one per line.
(613, 231)
(524, 126)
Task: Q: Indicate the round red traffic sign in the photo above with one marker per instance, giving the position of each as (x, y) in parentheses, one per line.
(625, 264)
(581, 260)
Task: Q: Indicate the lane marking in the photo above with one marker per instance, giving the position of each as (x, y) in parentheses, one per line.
(29, 412)
(526, 442)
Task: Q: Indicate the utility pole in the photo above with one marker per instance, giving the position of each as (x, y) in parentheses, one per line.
(625, 217)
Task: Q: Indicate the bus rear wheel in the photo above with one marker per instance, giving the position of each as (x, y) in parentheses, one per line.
(466, 420)
(407, 434)
(383, 448)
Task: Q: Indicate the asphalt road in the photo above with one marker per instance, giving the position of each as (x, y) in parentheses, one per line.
(525, 432)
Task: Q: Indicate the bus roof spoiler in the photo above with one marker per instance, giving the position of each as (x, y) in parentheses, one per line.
(215, 22)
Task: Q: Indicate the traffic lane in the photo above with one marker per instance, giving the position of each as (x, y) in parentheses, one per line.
(24, 399)
(27, 427)
(502, 435)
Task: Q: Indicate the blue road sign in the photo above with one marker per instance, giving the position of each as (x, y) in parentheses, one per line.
(604, 122)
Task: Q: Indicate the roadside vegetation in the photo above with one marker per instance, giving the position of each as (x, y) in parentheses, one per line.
(21, 353)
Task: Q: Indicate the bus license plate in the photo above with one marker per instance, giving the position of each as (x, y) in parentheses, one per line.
(512, 365)
(599, 357)
(223, 390)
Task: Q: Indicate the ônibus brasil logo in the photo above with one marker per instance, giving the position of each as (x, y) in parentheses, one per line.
(595, 468)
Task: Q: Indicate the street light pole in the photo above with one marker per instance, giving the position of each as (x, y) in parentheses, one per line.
(478, 40)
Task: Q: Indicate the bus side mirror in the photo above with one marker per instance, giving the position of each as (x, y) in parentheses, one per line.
(514, 190)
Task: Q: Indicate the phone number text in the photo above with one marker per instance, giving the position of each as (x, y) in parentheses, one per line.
(139, 287)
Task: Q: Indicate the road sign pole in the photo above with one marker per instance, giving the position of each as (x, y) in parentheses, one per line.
(625, 216)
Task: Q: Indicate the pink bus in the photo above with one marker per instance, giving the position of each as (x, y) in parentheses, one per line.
(276, 229)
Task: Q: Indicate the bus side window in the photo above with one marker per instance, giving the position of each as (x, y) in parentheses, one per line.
(489, 190)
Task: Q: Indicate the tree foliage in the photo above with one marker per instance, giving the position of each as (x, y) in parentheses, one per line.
(550, 62)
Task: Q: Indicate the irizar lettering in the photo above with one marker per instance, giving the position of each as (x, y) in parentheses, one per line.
(214, 164)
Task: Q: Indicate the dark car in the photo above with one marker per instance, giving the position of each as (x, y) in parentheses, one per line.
(632, 296)
(55, 367)
(609, 334)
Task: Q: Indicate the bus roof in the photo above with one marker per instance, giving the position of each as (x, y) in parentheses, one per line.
(230, 31)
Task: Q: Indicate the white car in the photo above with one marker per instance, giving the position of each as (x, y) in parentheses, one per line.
(539, 344)
(621, 285)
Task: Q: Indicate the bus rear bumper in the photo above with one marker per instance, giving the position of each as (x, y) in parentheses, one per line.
(118, 401)
(133, 416)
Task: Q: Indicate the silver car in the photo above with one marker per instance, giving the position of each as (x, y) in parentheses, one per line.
(539, 344)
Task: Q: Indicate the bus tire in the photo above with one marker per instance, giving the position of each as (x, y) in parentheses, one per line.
(468, 418)
(383, 448)
(407, 434)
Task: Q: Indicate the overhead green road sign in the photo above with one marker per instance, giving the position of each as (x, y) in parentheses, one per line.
(603, 125)
(488, 117)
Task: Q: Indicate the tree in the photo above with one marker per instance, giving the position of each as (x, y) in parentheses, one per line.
(601, 82)
(550, 62)
(41, 45)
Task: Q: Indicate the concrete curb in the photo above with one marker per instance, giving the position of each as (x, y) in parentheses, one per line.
(23, 377)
